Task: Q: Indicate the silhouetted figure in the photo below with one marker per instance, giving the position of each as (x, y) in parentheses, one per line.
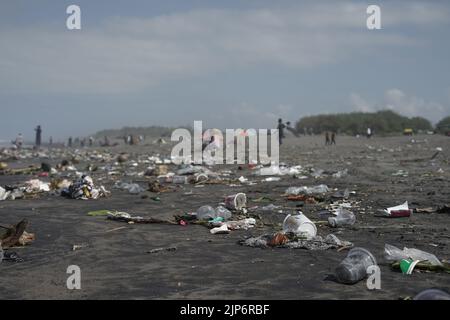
(280, 128)
(327, 138)
(19, 141)
(333, 138)
(38, 136)
(106, 144)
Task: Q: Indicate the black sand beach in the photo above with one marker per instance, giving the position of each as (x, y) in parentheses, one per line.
(115, 263)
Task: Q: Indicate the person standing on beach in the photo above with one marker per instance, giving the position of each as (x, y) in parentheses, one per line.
(333, 138)
(19, 141)
(38, 136)
(369, 133)
(280, 128)
(327, 138)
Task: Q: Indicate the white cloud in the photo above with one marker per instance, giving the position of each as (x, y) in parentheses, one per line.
(402, 103)
(411, 106)
(130, 54)
(359, 104)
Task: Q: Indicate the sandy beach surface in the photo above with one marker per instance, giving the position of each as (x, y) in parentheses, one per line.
(114, 258)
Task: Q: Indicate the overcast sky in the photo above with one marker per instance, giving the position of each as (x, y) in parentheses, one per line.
(229, 63)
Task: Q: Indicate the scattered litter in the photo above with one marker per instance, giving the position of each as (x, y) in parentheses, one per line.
(78, 246)
(300, 225)
(157, 250)
(132, 188)
(432, 294)
(354, 267)
(290, 240)
(236, 201)
(343, 217)
(398, 211)
(394, 254)
(84, 188)
(320, 189)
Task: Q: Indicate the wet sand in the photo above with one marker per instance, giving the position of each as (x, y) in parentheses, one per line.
(116, 265)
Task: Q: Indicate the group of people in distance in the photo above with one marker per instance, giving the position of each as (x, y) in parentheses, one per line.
(330, 138)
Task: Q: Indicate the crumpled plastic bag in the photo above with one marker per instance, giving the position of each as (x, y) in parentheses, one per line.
(4, 194)
(394, 254)
(35, 185)
(132, 188)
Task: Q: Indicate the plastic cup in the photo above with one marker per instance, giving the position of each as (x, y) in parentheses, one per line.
(354, 267)
(236, 201)
(432, 294)
(299, 224)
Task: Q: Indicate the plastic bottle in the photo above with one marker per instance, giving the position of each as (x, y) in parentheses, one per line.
(223, 212)
(206, 213)
(344, 217)
(179, 179)
(354, 267)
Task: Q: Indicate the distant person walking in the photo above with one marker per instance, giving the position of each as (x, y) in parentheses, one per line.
(38, 136)
(280, 128)
(333, 138)
(19, 141)
(327, 138)
(369, 133)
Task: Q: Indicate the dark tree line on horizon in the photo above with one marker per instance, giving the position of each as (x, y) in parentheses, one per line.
(381, 122)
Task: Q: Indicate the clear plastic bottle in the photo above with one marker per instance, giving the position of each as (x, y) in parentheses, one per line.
(344, 217)
(179, 179)
(206, 213)
(223, 212)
